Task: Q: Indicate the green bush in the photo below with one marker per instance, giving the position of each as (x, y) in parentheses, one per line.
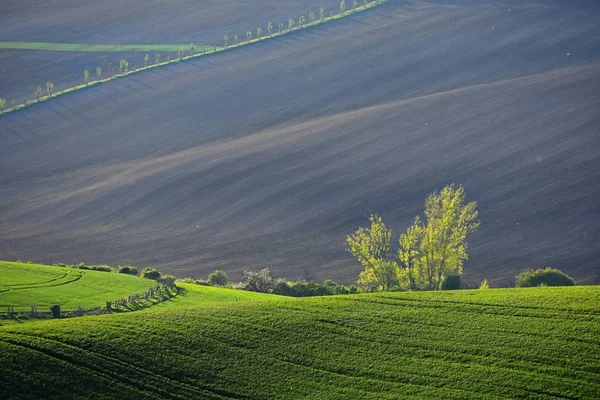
(451, 282)
(55, 310)
(151, 273)
(167, 280)
(102, 268)
(128, 269)
(218, 278)
(543, 277)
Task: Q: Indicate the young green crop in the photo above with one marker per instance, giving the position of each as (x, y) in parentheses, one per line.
(502, 343)
(26, 285)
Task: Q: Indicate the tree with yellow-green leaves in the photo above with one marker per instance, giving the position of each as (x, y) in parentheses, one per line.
(2, 104)
(38, 93)
(428, 252)
(86, 76)
(49, 88)
(343, 7)
(269, 28)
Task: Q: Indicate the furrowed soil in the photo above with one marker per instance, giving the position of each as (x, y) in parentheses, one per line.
(268, 156)
(118, 22)
(537, 343)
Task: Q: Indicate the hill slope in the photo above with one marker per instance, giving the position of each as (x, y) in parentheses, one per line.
(26, 285)
(538, 343)
(115, 22)
(270, 156)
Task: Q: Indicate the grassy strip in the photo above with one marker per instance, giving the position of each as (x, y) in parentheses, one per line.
(451, 345)
(202, 52)
(91, 47)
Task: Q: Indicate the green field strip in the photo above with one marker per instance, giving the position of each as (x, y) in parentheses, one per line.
(54, 283)
(201, 52)
(18, 285)
(419, 356)
(116, 364)
(79, 47)
(86, 361)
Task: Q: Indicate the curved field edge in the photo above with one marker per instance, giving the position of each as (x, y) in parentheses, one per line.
(204, 51)
(499, 343)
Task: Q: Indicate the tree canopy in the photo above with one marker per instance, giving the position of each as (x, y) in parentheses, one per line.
(428, 251)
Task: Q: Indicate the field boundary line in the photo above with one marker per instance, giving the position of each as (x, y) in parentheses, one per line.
(215, 49)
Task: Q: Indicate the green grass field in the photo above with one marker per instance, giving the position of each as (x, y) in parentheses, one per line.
(23, 285)
(538, 343)
(95, 47)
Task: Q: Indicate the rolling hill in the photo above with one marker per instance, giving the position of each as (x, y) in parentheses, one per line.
(271, 155)
(26, 285)
(538, 343)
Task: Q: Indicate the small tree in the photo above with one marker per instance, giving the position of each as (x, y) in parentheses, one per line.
(280, 27)
(192, 48)
(49, 88)
(86, 76)
(259, 32)
(156, 58)
(150, 273)
(269, 28)
(311, 17)
(321, 14)
(261, 281)
(354, 4)
(342, 7)
(38, 93)
(218, 278)
(123, 66)
(484, 285)
(55, 310)
(98, 73)
(301, 21)
(180, 53)
(236, 39)
(225, 41)
(146, 60)
(291, 23)
(371, 247)
(248, 36)
(2, 104)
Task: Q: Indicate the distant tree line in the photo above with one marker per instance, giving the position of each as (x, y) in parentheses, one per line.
(124, 67)
(264, 281)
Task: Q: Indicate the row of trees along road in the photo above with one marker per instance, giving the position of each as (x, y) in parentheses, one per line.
(428, 252)
(124, 65)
